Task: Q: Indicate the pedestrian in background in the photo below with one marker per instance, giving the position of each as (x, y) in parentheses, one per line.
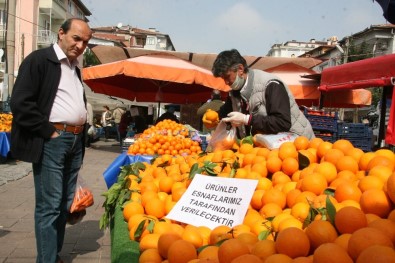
(168, 115)
(49, 113)
(106, 122)
(117, 115)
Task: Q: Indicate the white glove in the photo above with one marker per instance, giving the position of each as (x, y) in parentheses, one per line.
(237, 118)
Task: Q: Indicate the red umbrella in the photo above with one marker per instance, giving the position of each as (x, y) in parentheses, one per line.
(154, 78)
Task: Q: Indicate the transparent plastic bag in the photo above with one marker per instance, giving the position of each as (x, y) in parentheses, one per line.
(83, 197)
(222, 138)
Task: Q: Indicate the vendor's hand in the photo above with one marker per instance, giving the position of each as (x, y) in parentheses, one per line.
(237, 118)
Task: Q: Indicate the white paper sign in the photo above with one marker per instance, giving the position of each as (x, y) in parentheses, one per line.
(212, 201)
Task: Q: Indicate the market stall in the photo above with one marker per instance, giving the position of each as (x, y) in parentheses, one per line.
(367, 73)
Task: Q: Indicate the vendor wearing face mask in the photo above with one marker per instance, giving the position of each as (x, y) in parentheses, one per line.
(259, 102)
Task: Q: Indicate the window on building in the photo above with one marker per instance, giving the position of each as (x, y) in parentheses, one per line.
(151, 41)
(70, 6)
(3, 17)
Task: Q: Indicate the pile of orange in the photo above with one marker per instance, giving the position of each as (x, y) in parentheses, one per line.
(5, 122)
(166, 137)
(288, 220)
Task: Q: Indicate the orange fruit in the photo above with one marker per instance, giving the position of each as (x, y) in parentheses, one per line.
(331, 252)
(315, 142)
(332, 156)
(165, 184)
(246, 148)
(355, 153)
(327, 169)
(315, 183)
(380, 160)
(132, 208)
(301, 143)
(150, 255)
(349, 219)
(347, 163)
(280, 177)
(347, 190)
(278, 258)
(387, 153)
(193, 236)
(256, 200)
(381, 172)
(371, 217)
(263, 249)
(391, 215)
(270, 210)
(342, 240)
(300, 211)
(211, 115)
(320, 232)
(247, 238)
(323, 148)
(149, 241)
(209, 252)
(292, 242)
(387, 226)
(164, 242)
(219, 233)
(376, 253)
(188, 252)
(274, 196)
(247, 258)
(343, 145)
(287, 150)
(364, 238)
(273, 164)
(370, 182)
(365, 159)
(231, 249)
(289, 165)
(291, 197)
(305, 197)
(155, 207)
(376, 202)
(390, 187)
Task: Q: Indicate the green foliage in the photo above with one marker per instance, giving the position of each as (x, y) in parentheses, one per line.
(90, 58)
(118, 193)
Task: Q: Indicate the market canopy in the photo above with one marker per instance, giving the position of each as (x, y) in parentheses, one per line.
(154, 78)
(107, 54)
(367, 73)
(306, 90)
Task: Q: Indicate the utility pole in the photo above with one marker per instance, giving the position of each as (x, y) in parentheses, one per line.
(10, 50)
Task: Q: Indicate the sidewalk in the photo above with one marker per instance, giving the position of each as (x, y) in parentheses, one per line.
(84, 242)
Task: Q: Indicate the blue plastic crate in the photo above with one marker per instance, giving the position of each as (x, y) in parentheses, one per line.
(328, 137)
(321, 121)
(365, 144)
(353, 130)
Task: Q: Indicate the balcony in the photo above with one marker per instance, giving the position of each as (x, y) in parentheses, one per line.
(46, 37)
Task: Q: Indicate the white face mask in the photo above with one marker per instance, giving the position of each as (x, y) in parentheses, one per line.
(238, 83)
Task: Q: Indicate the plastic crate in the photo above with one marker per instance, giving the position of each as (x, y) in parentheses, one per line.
(125, 145)
(352, 130)
(365, 144)
(322, 121)
(326, 136)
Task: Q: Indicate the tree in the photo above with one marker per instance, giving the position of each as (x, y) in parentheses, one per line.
(90, 58)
